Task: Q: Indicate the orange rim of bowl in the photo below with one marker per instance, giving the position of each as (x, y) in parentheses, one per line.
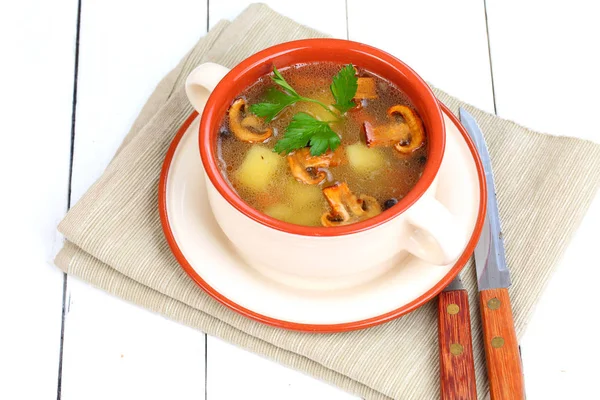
(322, 328)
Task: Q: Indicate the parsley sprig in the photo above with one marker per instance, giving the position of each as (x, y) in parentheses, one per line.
(305, 130)
(277, 100)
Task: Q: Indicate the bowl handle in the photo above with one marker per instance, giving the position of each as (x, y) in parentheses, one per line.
(202, 81)
(437, 236)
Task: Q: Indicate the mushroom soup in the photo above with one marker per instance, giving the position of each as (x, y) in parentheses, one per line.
(322, 144)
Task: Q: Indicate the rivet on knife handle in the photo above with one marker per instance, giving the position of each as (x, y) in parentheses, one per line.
(501, 347)
(457, 371)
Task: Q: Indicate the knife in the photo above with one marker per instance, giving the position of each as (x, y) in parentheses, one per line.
(493, 280)
(457, 370)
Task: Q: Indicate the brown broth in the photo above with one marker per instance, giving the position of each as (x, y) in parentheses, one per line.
(390, 175)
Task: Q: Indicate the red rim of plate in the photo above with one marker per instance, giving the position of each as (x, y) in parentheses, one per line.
(322, 328)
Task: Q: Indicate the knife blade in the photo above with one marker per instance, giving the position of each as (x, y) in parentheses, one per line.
(493, 279)
(457, 369)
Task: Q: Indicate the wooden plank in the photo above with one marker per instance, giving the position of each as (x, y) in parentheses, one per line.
(558, 348)
(255, 377)
(125, 49)
(444, 41)
(327, 16)
(116, 350)
(546, 77)
(237, 374)
(545, 64)
(37, 88)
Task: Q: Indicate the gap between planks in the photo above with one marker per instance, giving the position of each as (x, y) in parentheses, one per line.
(65, 301)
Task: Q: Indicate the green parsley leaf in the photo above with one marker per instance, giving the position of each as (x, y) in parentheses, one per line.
(304, 130)
(276, 102)
(344, 88)
(276, 96)
(323, 140)
(276, 99)
(268, 111)
(280, 80)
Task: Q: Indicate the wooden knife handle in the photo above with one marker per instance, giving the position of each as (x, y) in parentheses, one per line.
(457, 371)
(501, 347)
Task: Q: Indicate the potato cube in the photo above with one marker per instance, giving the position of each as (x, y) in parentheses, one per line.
(302, 195)
(279, 211)
(363, 159)
(309, 216)
(259, 168)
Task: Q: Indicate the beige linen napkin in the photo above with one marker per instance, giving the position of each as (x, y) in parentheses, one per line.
(115, 242)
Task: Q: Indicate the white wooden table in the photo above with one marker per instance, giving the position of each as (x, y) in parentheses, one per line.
(73, 77)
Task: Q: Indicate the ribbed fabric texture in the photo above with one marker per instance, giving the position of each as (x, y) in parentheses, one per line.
(114, 239)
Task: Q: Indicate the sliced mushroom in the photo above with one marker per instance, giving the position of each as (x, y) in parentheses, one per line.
(305, 167)
(346, 208)
(367, 89)
(385, 135)
(406, 136)
(417, 132)
(247, 128)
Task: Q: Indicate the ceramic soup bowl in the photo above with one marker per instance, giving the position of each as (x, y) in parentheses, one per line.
(326, 257)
